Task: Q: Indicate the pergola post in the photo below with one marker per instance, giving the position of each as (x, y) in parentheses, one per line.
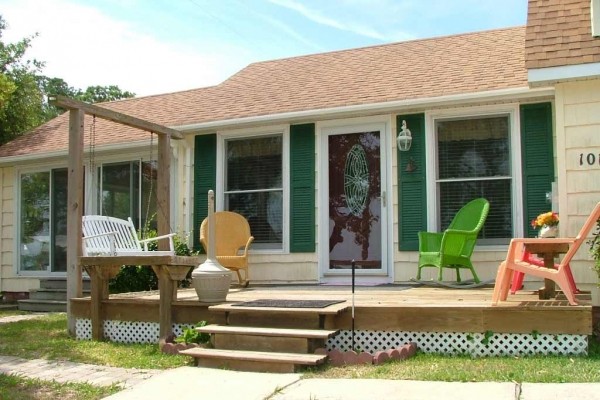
(163, 183)
(74, 211)
(75, 188)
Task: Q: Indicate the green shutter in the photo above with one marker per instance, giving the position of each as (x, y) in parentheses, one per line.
(205, 179)
(302, 188)
(537, 160)
(412, 192)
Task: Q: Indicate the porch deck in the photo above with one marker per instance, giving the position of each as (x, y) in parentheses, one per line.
(382, 308)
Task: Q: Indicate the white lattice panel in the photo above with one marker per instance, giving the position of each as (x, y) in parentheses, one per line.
(131, 331)
(83, 329)
(474, 344)
(126, 331)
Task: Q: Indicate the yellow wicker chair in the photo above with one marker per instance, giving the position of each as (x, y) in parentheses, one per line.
(233, 234)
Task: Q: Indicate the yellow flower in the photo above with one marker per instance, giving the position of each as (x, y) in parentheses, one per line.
(550, 218)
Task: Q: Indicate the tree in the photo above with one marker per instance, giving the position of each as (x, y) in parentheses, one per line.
(20, 96)
(24, 90)
(93, 94)
(100, 94)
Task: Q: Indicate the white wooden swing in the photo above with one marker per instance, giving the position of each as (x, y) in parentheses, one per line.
(109, 236)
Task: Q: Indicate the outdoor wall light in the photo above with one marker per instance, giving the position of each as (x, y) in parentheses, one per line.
(404, 138)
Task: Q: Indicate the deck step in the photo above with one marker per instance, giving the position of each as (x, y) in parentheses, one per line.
(43, 305)
(333, 309)
(259, 331)
(51, 294)
(256, 361)
(267, 339)
(277, 317)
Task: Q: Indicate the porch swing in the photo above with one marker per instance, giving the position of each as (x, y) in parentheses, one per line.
(110, 236)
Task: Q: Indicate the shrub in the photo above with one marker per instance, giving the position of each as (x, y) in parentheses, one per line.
(136, 278)
(191, 335)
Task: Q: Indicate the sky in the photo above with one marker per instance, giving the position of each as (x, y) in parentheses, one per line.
(159, 46)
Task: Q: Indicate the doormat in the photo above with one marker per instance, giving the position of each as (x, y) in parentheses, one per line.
(280, 303)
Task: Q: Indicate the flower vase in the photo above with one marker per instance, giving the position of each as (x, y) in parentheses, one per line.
(548, 231)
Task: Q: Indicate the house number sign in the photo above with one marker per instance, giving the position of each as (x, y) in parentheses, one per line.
(589, 159)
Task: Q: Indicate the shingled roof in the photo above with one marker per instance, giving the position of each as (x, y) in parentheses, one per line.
(428, 68)
(559, 33)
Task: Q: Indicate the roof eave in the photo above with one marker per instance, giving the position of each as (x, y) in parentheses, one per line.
(27, 158)
(509, 94)
(539, 77)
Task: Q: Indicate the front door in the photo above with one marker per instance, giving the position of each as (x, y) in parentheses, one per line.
(355, 204)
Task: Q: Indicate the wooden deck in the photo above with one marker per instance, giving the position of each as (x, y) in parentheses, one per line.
(388, 308)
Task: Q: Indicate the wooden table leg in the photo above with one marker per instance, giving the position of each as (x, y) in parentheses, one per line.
(549, 291)
(166, 288)
(99, 277)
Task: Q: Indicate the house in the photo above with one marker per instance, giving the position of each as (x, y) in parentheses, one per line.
(500, 114)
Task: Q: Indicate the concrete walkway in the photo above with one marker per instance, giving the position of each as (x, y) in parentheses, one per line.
(66, 371)
(223, 384)
(16, 318)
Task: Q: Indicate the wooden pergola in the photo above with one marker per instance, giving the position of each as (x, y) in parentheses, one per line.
(77, 111)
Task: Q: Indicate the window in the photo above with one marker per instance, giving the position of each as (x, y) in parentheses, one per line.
(128, 189)
(254, 186)
(43, 221)
(473, 160)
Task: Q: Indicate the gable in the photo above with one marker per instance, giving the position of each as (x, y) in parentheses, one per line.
(559, 33)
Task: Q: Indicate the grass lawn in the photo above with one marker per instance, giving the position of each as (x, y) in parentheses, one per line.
(10, 313)
(46, 337)
(17, 388)
(433, 367)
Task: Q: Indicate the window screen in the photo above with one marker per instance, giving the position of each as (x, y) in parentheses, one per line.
(254, 186)
(473, 160)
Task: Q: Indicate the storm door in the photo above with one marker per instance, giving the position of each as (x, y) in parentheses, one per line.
(355, 203)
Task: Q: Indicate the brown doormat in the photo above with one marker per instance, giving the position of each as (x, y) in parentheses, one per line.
(279, 303)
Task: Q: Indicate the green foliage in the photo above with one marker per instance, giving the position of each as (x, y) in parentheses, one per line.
(595, 248)
(23, 90)
(20, 95)
(47, 338)
(19, 388)
(191, 335)
(486, 337)
(93, 94)
(133, 278)
(136, 278)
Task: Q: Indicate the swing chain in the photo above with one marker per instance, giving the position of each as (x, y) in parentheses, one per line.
(92, 155)
(151, 178)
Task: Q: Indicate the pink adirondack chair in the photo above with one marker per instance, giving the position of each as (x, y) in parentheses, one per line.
(516, 263)
(517, 281)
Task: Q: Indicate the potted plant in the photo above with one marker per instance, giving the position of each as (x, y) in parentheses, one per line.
(548, 224)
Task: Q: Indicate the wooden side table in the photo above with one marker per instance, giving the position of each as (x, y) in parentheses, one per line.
(548, 252)
(169, 270)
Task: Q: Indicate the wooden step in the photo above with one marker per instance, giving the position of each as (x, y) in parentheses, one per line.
(258, 331)
(317, 318)
(267, 339)
(256, 361)
(42, 305)
(333, 309)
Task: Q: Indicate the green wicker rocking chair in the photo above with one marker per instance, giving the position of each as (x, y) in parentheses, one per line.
(453, 247)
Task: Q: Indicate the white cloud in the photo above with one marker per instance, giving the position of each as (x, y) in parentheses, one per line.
(84, 46)
(348, 22)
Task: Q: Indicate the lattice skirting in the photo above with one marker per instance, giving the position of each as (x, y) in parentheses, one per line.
(126, 331)
(474, 344)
